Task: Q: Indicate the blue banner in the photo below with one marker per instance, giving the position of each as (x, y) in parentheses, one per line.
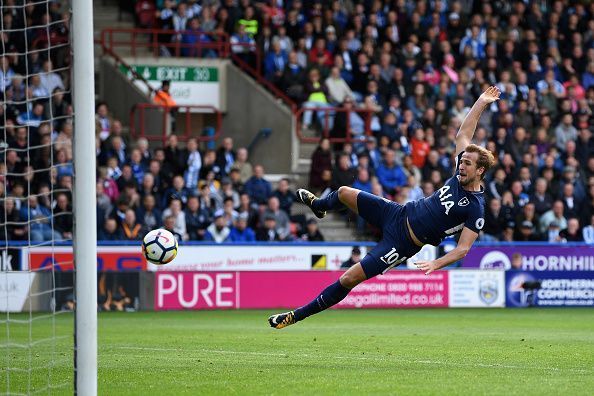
(549, 288)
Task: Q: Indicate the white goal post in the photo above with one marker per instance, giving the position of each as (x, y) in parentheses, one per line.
(46, 60)
(85, 226)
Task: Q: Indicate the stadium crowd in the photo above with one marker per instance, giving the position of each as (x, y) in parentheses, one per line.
(212, 195)
(35, 122)
(416, 66)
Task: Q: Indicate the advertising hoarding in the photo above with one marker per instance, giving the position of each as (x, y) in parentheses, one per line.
(523, 257)
(14, 290)
(477, 288)
(200, 258)
(289, 289)
(258, 258)
(549, 289)
(109, 258)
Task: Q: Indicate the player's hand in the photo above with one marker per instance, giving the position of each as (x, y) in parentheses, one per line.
(427, 266)
(490, 95)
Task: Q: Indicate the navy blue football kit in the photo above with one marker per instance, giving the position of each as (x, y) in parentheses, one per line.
(444, 213)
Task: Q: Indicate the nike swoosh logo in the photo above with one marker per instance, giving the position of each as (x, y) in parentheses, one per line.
(274, 319)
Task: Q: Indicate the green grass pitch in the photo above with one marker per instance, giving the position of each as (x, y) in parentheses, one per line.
(403, 352)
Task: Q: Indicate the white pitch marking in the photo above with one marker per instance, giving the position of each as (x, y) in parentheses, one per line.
(397, 358)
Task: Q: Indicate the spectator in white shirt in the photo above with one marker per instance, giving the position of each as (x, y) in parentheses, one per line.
(565, 131)
(285, 41)
(37, 88)
(194, 163)
(194, 9)
(50, 80)
(588, 232)
(175, 210)
(550, 82)
(338, 89)
(553, 215)
(507, 87)
(282, 219)
(6, 73)
(459, 110)
(180, 18)
(19, 89)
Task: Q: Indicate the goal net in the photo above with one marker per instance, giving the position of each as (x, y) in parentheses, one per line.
(37, 174)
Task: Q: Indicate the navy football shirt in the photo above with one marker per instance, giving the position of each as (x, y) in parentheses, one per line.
(447, 211)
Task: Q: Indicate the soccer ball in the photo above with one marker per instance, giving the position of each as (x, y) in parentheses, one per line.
(159, 246)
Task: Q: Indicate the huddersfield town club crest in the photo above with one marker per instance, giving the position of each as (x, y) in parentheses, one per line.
(488, 291)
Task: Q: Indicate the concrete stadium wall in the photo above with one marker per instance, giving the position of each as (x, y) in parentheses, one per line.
(251, 108)
(119, 93)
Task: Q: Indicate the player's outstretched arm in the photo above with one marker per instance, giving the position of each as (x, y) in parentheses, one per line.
(467, 238)
(466, 131)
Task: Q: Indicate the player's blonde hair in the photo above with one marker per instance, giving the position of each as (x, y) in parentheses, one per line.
(485, 160)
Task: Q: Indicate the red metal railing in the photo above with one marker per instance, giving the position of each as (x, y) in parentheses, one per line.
(349, 136)
(172, 40)
(138, 112)
(151, 39)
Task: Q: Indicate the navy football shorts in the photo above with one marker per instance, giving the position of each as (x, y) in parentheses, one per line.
(396, 245)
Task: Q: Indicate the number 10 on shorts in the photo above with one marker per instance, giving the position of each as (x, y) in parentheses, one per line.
(392, 258)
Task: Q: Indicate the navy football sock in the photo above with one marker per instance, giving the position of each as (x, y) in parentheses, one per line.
(330, 202)
(331, 295)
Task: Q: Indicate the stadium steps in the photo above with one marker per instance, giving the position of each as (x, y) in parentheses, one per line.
(106, 14)
(335, 227)
(304, 163)
(306, 150)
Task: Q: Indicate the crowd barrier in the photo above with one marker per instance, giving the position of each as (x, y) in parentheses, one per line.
(287, 289)
(285, 275)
